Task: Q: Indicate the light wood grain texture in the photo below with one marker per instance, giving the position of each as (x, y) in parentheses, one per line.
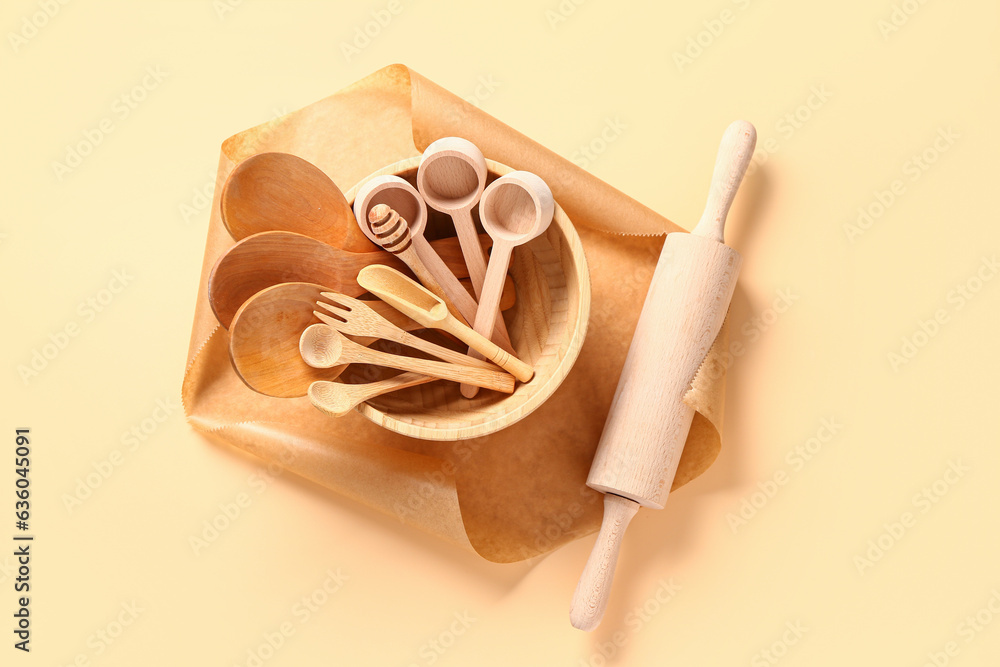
(417, 303)
(514, 209)
(685, 306)
(353, 317)
(322, 346)
(271, 258)
(264, 341)
(393, 235)
(279, 191)
(401, 196)
(591, 596)
(451, 178)
(547, 325)
(336, 399)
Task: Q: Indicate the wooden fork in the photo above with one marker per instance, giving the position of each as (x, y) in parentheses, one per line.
(354, 317)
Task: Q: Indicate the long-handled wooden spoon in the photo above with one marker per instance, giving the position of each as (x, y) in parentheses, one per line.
(419, 304)
(338, 398)
(451, 178)
(270, 258)
(279, 191)
(515, 209)
(322, 346)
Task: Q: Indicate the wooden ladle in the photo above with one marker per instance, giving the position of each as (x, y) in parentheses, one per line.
(280, 191)
(271, 258)
(515, 209)
(451, 178)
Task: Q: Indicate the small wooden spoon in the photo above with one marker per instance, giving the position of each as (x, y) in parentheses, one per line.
(322, 346)
(515, 209)
(338, 398)
(451, 178)
(419, 304)
(271, 258)
(279, 191)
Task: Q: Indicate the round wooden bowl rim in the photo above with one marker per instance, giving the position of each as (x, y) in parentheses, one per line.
(559, 373)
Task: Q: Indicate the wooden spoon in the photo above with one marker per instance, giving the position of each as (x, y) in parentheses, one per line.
(515, 209)
(279, 191)
(271, 258)
(322, 346)
(338, 398)
(419, 304)
(451, 178)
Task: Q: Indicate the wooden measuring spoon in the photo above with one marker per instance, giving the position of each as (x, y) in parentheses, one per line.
(338, 398)
(403, 198)
(322, 346)
(451, 178)
(417, 303)
(515, 209)
(394, 236)
(280, 191)
(271, 258)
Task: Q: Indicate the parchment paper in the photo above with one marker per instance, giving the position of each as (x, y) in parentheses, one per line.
(508, 496)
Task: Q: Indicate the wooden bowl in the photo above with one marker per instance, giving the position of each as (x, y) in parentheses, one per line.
(547, 326)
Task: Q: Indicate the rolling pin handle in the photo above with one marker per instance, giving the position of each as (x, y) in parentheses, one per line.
(735, 153)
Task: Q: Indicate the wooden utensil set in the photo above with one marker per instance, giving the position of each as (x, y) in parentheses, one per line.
(297, 239)
(287, 292)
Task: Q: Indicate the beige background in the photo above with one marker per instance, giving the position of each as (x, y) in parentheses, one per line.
(597, 74)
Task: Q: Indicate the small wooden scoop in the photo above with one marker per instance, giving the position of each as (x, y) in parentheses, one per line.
(322, 346)
(419, 304)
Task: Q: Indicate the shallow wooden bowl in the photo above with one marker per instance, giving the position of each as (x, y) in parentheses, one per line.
(547, 326)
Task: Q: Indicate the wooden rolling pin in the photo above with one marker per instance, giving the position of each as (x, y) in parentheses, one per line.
(649, 421)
